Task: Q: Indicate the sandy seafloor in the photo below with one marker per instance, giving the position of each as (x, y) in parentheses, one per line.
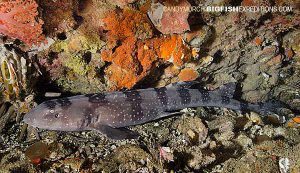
(88, 51)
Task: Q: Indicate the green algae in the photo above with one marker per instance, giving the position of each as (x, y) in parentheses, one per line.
(76, 64)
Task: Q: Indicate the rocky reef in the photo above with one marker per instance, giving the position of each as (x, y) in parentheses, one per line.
(58, 48)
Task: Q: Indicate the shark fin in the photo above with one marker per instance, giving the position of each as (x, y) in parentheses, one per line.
(114, 133)
(168, 114)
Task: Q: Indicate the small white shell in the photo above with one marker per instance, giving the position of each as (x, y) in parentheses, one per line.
(284, 165)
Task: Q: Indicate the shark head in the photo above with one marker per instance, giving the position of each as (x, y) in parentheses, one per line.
(56, 114)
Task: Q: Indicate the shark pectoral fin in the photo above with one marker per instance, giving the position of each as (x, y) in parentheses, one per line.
(115, 133)
(168, 114)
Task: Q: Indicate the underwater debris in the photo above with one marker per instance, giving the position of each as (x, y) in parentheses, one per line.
(171, 17)
(18, 20)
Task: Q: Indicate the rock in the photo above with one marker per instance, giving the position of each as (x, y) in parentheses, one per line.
(242, 122)
(188, 74)
(198, 37)
(122, 3)
(252, 82)
(266, 54)
(196, 160)
(127, 157)
(169, 19)
(212, 145)
(252, 69)
(279, 132)
(74, 164)
(199, 158)
(166, 153)
(244, 141)
(193, 128)
(272, 132)
(16, 162)
(255, 96)
(261, 138)
(255, 118)
(291, 43)
(37, 152)
(224, 127)
(58, 151)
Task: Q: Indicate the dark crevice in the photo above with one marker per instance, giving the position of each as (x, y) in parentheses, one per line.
(87, 57)
(236, 3)
(62, 36)
(79, 20)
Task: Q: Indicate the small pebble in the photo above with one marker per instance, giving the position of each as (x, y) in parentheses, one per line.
(113, 147)
(255, 118)
(191, 134)
(156, 124)
(53, 155)
(212, 145)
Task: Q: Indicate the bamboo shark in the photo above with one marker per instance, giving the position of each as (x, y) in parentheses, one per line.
(110, 112)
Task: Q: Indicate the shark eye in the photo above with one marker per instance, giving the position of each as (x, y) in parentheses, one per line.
(56, 115)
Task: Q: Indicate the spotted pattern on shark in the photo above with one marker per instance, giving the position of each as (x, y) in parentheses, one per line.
(109, 112)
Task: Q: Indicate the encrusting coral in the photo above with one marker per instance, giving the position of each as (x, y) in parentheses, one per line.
(18, 20)
(71, 60)
(133, 49)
